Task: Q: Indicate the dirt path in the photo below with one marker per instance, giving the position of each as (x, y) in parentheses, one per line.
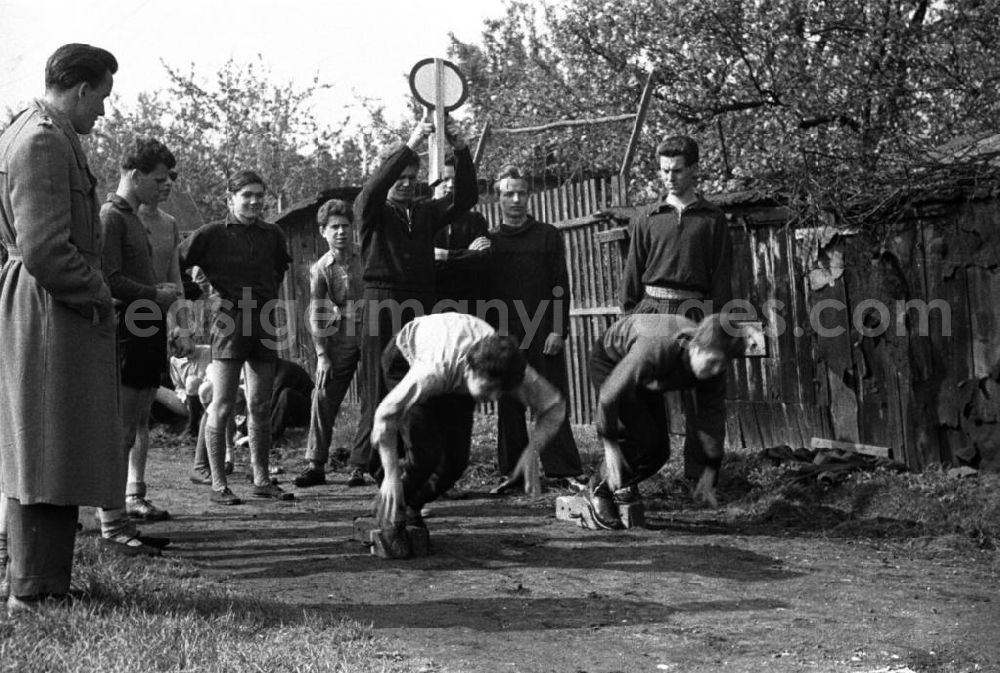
(510, 588)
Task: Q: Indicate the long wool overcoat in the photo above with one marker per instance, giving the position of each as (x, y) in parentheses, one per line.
(60, 427)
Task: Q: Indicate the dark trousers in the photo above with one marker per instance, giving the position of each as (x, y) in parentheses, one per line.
(561, 457)
(40, 541)
(289, 409)
(344, 351)
(439, 432)
(643, 425)
(383, 314)
(694, 452)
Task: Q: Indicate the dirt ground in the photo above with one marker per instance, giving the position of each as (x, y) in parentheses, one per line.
(511, 588)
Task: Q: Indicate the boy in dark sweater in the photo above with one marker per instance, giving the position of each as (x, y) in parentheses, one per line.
(637, 360)
(679, 259)
(397, 248)
(528, 275)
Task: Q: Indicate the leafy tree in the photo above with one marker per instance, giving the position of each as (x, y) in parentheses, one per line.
(242, 120)
(830, 104)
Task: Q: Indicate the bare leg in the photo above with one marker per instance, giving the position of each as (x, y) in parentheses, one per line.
(136, 485)
(225, 377)
(260, 380)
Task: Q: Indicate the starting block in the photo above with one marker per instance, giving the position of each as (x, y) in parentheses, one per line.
(390, 546)
(363, 526)
(577, 508)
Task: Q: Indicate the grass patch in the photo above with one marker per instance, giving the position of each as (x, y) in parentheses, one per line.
(160, 615)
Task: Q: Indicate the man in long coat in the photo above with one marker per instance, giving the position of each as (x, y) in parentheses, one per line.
(59, 448)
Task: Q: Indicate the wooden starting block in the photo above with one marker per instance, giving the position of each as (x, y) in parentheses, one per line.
(633, 515)
(367, 531)
(571, 507)
(363, 526)
(576, 508)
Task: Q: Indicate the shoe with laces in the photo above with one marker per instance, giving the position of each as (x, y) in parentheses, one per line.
(153, 541)
(224, 497)
(272, 491)
(310, 477)
(140, 508)
(603, 509)
(201, 477)
(356, 478)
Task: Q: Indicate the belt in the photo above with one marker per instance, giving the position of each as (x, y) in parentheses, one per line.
(671, 293)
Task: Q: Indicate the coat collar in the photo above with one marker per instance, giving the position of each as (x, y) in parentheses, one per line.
(62, 122)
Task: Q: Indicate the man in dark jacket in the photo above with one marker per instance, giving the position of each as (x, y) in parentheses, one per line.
(397, 246)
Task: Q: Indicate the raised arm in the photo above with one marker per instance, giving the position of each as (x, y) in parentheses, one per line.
(466, 191)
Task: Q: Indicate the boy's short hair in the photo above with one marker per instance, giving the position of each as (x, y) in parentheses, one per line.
(718, 334)
(73, 63)
(331, 208)
(241, 179)
(679, 146)
(508, 172)
(498, 358)
(146, 154)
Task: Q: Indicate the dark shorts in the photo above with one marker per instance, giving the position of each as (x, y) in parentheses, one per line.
(143, 355)
(242, 335)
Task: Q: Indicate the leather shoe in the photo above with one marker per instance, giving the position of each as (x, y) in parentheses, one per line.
(357, 478)
(603, 508)
(153, 541)
(310, 477)
(224, 497)
(272, 491)
(201, 477)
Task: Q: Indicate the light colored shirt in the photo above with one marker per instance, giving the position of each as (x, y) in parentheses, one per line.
(164, 237)
(187, 374)
(436, 347)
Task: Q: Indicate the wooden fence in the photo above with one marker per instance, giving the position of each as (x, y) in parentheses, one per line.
(829, 369)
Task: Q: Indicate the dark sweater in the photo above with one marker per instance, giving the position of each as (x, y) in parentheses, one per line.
(649, 351)
(397, 244)
(237, 256)
(529, 264)
(683, 251)
(461, 276)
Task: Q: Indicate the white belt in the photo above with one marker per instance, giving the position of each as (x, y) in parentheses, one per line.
(671, 293)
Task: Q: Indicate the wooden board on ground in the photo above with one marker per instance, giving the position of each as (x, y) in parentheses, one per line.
(867, 449)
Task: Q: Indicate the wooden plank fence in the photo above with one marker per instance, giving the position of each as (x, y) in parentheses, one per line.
(930, 395)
